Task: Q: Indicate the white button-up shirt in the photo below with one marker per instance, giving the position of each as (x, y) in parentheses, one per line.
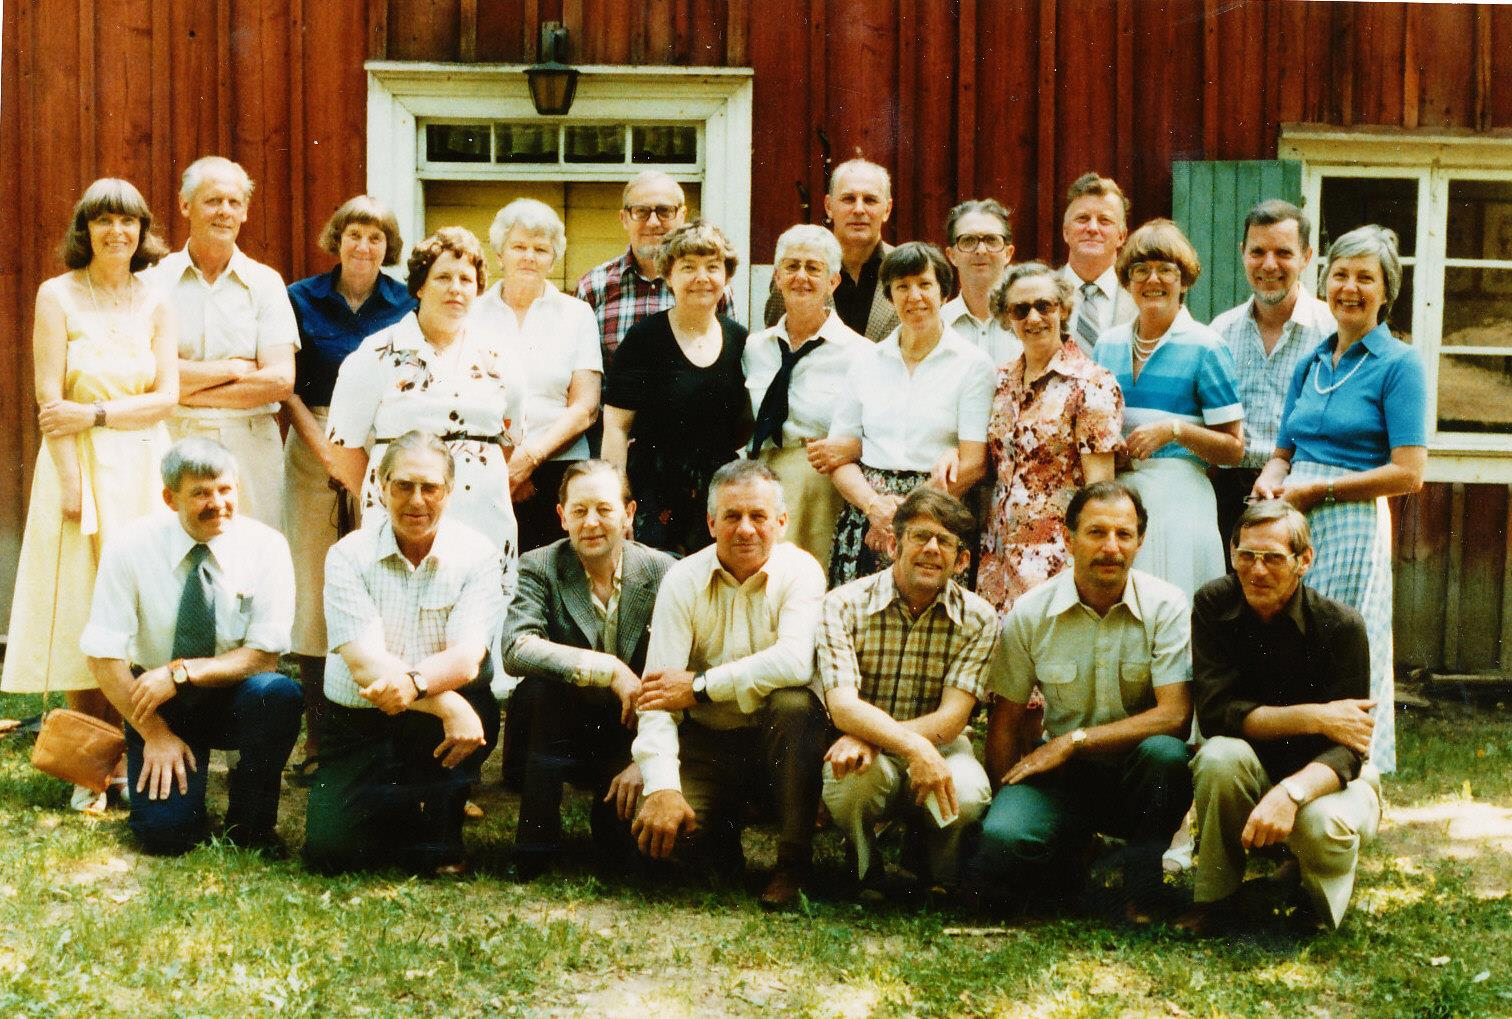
(1263, 379)
(453, 597)
(906, 419)
(748, 639)
(1000, 344)
(818, 381)
(244, 313)
(559, 335)
(141, 580)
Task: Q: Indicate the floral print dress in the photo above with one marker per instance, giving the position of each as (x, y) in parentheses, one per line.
(469, 395)
(1037, 435)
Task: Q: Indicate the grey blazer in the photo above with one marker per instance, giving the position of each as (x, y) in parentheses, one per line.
(1124, 308)
(553, 602)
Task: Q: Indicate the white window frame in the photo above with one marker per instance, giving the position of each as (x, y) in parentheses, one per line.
(1432, 159)
(403, 95)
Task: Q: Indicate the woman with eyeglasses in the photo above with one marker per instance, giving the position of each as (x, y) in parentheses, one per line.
(1056, 425)
(1354, 431)
(1181, 406)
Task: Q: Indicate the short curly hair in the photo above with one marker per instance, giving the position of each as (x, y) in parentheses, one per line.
(700, 238)
(456, 240)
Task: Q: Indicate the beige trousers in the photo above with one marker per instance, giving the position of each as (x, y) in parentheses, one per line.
(861, 799)
(255, 443)
(309, 524)
(1229, 780)
(813, 504)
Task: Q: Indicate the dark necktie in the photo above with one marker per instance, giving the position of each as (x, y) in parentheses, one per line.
(774, 405)
(194, 633)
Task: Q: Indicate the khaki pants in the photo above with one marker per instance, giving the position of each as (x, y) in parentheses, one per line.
(309, 524)
(813, 503)
(255, 443)
(861, 799)
(1229, 781)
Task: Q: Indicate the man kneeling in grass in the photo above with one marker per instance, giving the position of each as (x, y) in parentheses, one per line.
(1282, 679)
(412, 602)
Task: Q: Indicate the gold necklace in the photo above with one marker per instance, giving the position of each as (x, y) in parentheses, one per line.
(113, 322)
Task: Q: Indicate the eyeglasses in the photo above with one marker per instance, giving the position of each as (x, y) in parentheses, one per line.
(641, 213)
(1141, 271)
(922, 536)
(1246, 558)
(794, 266)
(1019, 310)
(992, 242)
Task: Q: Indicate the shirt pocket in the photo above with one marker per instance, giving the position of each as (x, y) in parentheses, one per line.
(1135, 687)
(436, 604)
(1057, 681)
(235, 621)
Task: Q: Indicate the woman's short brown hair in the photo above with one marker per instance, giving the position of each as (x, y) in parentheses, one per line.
(105, 196)
(1160, 240)
(696, 238)
(368, 211)
(456, 240)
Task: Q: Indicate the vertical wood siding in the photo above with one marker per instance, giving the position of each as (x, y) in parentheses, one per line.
(1010, 98)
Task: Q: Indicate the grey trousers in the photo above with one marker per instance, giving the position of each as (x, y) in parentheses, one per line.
(1229, 780)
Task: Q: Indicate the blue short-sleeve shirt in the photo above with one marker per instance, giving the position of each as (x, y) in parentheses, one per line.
(329, 329)
(1190, 377)
(1355, 414)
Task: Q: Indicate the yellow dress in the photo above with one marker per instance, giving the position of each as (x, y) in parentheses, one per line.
(109, 356)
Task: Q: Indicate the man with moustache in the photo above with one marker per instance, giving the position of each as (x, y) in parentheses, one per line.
(191, 611)
(1094, 228)
(726, 713)
(237, 334)
(1268, 334)
(859, 202)
(1108, 646)
(576, 633)
(412, 604)
(903, 658)
(980, 234)
(1282, 680)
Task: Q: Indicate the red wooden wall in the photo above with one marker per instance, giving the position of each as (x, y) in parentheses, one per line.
(1010, 98)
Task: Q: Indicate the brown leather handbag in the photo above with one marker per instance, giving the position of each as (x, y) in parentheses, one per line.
(78, 748)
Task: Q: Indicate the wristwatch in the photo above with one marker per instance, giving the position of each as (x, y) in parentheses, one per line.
(421, 686)
(701, 689)
(178, 671)
(1078, 737)
(1296, 792)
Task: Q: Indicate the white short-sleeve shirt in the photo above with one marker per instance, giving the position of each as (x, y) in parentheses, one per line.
(244, 313)
(997, 343)
(904, 419)
(559, 335)
(141, 580)
(819, 379)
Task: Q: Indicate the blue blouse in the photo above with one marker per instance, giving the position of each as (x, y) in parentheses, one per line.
(1190, 377)
(329, 330)
(1354, 415)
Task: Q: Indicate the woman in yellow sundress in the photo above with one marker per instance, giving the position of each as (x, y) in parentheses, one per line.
(106, 375)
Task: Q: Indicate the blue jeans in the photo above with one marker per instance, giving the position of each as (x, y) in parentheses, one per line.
(259, 718)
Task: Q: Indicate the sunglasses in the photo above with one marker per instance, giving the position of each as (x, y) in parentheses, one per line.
(1019, 310)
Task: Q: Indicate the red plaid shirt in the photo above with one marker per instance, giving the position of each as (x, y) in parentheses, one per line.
(620, 297)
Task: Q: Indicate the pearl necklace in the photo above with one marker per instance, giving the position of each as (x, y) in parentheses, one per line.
(1324, 392)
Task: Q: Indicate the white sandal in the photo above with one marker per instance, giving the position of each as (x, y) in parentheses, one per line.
(86, 801)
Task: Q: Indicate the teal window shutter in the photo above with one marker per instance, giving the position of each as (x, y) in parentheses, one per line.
(1209, 201)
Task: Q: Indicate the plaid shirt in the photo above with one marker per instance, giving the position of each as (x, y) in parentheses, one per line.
(452, 597)
(620, 297)
(901, 664)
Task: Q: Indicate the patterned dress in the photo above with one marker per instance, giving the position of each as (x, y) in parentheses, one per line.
(1037, 437)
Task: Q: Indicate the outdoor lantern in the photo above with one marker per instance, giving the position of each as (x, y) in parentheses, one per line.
(553, 84)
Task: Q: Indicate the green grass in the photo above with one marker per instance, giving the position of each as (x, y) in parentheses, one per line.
(88, 927)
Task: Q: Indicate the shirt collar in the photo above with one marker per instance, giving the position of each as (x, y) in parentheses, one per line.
(955, 309)
(833, 330)
(717, 572)
(1065, 596)
(1236, 605)
(444, 549)
(181, 541)
(1378, 340)
(1107, 282)
(950, 343)
(1071, 362)
(884, 593)
(630, 267)
(237, 266)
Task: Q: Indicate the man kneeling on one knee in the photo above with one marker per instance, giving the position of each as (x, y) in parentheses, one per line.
(903, 657)
(1109, 647)
(1282, 677)
(202, 602)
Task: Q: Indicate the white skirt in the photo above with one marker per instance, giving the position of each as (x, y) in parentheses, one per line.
(1181, 543)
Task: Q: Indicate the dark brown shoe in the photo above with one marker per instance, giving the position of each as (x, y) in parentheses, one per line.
(781, 892)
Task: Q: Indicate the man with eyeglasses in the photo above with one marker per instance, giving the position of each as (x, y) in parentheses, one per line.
(903, 657)
(858, 204)
(626, 289)
(1109, 648)
(1094, 228)
(1282, 681)
(980, 232)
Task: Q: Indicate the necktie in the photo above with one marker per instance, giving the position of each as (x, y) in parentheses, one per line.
(774, 405)
(1090, 316)
(194, 632)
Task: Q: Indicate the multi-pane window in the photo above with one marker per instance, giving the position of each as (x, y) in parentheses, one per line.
(543, 144)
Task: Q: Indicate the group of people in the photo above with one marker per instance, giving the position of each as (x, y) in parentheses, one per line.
(796, 559)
